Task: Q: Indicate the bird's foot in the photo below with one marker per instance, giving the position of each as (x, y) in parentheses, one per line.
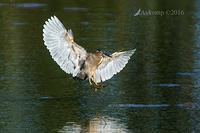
(90, 83)
(98, 86)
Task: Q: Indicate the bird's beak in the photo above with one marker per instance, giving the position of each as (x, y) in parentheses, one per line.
(105, 54)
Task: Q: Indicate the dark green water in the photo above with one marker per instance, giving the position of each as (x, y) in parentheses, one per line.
(36, 96)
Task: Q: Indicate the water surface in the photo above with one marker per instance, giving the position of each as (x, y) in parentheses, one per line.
(161, 78)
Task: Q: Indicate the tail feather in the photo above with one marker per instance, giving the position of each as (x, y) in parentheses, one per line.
(81, 76)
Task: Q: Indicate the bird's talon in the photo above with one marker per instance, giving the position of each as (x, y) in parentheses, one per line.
(98, 86)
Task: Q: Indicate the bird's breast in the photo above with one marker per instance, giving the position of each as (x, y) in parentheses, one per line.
(93, 61)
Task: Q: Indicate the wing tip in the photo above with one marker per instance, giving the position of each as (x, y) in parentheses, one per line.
(130, 52)
(133, 51)
(53, 23)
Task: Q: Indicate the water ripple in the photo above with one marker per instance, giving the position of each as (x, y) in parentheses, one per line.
(29, 5)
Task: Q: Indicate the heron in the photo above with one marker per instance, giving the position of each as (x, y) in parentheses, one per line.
(73, 58)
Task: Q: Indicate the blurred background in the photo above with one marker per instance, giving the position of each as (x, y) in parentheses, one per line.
(37, 96)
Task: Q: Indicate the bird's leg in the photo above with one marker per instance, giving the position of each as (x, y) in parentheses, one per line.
(95, 79)
(90, 81)
(89, 77)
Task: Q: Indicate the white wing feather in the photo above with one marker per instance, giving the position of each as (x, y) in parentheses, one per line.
(113, 65)
(60, 43)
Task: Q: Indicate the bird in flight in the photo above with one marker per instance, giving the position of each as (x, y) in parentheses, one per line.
(73, 59)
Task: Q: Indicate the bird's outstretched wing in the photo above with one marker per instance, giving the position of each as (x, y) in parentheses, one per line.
(112, 65)
(60, 43)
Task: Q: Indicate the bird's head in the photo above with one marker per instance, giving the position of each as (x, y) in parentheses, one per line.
(102, 53)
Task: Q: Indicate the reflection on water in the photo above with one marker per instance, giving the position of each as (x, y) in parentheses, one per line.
(158, 89)
(96, 124)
